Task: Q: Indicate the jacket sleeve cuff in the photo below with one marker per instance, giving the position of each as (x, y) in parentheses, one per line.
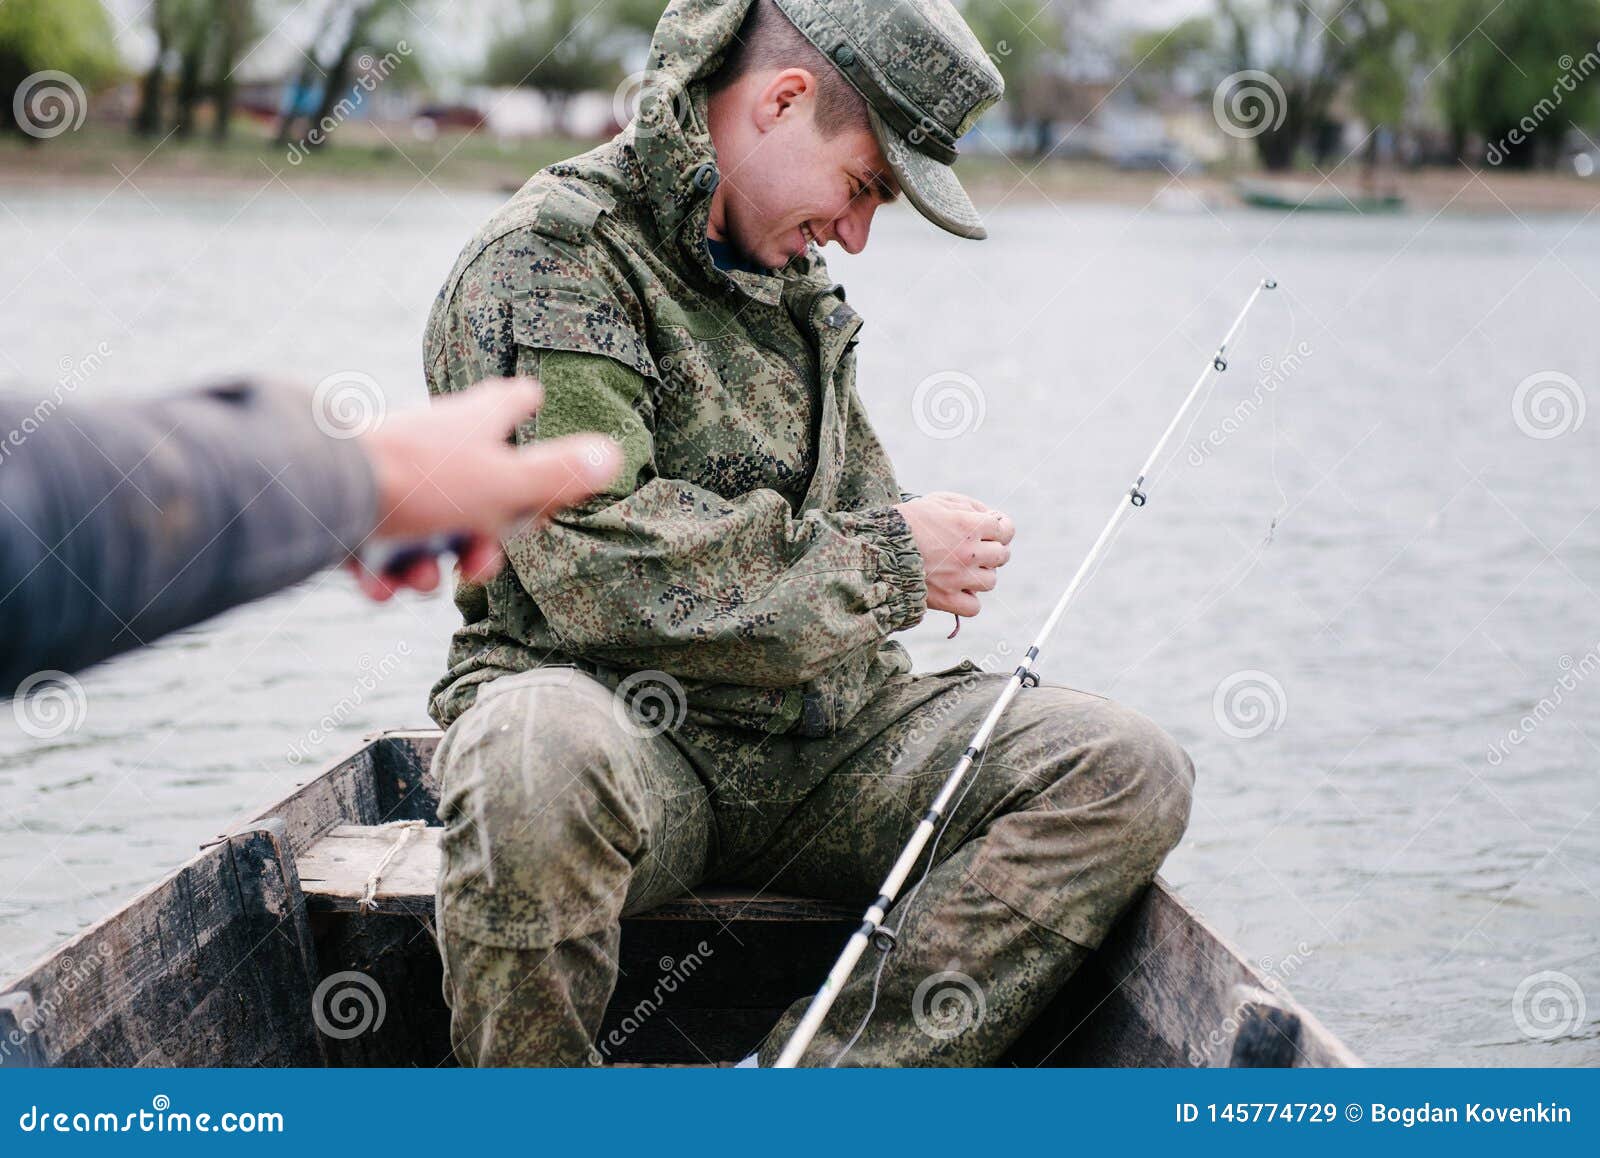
(899, 563)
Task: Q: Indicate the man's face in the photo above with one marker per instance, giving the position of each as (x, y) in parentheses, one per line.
(784, 184)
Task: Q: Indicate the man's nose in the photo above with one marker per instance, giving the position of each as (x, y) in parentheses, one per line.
(853, 226)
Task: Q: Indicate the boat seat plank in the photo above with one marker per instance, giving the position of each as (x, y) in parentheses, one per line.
(335, 871)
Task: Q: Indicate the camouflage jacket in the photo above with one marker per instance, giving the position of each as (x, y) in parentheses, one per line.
(751, 550)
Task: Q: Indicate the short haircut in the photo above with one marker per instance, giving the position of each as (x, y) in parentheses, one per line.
(768, 40)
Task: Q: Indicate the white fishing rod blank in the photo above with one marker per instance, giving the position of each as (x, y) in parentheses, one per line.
(872, 931)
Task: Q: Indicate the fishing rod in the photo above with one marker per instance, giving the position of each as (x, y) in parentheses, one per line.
(872, 931)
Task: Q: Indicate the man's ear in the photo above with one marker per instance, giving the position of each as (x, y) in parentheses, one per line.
(786, 93)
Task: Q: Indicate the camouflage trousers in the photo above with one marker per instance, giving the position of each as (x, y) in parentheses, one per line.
(562, 815)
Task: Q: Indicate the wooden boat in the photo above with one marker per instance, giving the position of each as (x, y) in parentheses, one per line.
(1323, 198)
(303, 937)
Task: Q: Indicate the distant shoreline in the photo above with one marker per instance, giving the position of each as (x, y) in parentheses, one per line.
(100, 158)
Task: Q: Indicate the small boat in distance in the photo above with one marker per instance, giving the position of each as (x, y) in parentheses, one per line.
(1313, 197)
(303, 937)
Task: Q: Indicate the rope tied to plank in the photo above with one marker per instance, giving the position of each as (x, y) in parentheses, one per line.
(406, 830)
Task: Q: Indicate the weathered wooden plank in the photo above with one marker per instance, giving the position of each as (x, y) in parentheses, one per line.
(1165, 989)
(334, 871)
(211, 966)
(1268, 1033)
(394, 959)
(403, 773)
(19, 1047)
(341, 792)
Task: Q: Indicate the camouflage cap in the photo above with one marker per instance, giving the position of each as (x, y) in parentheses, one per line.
(926, 79)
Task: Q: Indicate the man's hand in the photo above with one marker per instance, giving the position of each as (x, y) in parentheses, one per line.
(450, 468)
(963, 544)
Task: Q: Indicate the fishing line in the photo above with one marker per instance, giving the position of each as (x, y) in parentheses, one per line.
(937, 819)
(905, 911)
(928, 866)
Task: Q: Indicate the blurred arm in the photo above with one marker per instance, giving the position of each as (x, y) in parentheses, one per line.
(120, 523)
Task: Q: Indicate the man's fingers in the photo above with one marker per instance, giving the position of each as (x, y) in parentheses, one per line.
(965, 605)
(511, 401)
(959, 500)
(997, 527)
(423, 575)
(991, 554)
(481, 560)
(565, 470)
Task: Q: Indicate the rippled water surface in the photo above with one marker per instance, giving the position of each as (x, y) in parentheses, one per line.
(1407, 835)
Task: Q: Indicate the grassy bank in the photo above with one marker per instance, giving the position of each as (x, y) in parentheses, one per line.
(100, 155)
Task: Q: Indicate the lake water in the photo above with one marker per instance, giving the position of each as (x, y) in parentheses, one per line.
(1405, 836)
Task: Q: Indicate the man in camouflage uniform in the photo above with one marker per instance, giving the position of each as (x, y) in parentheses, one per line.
(690, 679)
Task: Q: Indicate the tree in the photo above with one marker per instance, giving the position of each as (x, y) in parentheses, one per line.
(564, 48)
(1181, 59)
(70, 36)
(1515, 73)
(1032, 43)
(350, 27)
(1311, 49)
(204, 38)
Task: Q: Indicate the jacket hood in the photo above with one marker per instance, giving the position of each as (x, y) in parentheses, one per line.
(671, 136)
